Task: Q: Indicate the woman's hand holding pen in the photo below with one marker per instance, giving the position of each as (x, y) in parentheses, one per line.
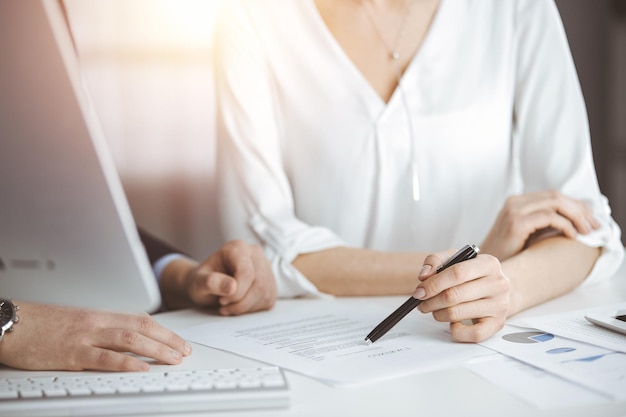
(478, 290)
(475, 290)
(525, 219)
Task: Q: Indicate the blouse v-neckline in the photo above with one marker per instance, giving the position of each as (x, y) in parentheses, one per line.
(355, 73)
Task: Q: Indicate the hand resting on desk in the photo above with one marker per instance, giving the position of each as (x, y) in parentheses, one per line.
(63, 338)
(237, 278)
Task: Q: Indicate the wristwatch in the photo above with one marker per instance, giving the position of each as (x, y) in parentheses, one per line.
(8, 316)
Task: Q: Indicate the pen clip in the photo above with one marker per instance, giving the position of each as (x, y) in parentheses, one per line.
(465, 253)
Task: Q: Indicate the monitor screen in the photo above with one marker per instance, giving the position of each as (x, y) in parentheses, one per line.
(67, 235)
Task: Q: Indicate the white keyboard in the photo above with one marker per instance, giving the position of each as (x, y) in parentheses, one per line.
(144, 393)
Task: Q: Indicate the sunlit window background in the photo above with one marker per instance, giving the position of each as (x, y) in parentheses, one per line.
(147, 66)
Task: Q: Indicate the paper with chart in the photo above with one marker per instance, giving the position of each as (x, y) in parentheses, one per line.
(531, 384)
(573, 325)
(324, 339)
(598, 369)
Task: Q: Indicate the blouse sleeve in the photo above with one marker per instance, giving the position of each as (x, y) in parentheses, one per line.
(255, 196)
(551, 128)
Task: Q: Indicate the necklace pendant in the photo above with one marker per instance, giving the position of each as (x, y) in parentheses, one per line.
(395, 56)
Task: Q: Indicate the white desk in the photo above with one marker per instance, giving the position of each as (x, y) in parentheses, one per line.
(451, 392)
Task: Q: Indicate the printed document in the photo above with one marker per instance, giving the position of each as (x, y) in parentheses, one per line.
(598, 369)
(533, 385)
(324, 339)
(573, 325)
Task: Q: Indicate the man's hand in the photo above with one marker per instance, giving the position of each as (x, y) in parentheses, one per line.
(237, 278)
(63, 338)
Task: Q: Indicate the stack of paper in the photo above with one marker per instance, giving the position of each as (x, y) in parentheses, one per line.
(558, 360)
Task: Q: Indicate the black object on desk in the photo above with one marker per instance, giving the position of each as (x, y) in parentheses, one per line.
(463, 254)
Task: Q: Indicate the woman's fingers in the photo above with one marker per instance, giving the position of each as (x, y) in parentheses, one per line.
(526, 218)
(575, 211)
(482, 329)
(540, 220)
(484, 266)
(475, 290)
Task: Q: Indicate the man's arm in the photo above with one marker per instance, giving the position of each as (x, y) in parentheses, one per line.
(156, 248)
(237, 278)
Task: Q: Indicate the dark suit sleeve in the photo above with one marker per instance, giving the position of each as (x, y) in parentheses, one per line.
(155, 247)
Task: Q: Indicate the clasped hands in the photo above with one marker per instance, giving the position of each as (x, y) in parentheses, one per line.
(478, 290)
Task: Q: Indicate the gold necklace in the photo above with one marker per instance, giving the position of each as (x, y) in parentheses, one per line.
(393, 49)
(394, 55)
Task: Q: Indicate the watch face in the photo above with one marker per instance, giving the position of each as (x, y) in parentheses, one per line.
(6, 312)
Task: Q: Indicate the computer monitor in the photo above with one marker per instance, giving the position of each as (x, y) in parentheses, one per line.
(67, 235)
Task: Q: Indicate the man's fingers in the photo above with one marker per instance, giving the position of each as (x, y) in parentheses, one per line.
(239, 276)
(237, 256)
(261, 294)
(247, 305)
(126, 340)
(136, 334)
(102, 359)
(214, 283)
(146, 326)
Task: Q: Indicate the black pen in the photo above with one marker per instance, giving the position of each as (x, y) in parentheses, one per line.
(463, 254)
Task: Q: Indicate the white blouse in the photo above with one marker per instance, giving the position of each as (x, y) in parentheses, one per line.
(310, 156)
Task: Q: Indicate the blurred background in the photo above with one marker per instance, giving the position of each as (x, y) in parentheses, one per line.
(147, 66)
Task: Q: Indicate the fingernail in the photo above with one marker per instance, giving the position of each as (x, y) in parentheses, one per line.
(187, 348)
(226, 286)
(419, 293)
(176, 355)
(425, 270)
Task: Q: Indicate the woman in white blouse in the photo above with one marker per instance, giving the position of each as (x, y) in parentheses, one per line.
(357, 137)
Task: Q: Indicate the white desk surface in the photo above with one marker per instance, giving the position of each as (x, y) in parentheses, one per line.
(455, 391)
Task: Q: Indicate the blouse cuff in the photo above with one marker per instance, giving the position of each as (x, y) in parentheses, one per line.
(283, 242)
(609, 239)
